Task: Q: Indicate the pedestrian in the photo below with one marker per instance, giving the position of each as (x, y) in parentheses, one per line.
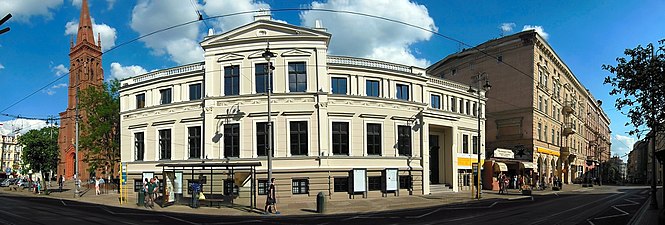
(151, 193)
(500, 180)
(145, 192)
(97, 180)
(61, 182)
(39, 186)
(271, 200)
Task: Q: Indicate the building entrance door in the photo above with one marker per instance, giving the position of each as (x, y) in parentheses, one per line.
(434, 165)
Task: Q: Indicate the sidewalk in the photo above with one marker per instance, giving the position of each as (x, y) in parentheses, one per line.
(299, 208)
(647, 216)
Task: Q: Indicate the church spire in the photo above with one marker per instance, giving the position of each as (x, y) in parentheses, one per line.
(85, 26)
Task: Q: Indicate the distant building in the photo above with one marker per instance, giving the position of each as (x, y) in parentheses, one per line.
(11, 154)
(538, 107)
(639, 169)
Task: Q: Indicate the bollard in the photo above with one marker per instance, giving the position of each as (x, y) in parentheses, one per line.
(320, 202)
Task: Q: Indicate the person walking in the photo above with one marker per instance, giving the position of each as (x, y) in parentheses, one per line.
(151, 193)
(60, 183)
(97, 180)
(271, 200)
(39, 186)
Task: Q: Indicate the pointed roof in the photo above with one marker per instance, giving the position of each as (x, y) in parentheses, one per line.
(85, 26)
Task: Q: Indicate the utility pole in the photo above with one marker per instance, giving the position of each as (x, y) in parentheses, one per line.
(477, 79)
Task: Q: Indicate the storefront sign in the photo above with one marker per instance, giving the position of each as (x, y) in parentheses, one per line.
(504, 153)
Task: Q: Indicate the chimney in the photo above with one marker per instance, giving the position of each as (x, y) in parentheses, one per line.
(318, 26)
(263, 14)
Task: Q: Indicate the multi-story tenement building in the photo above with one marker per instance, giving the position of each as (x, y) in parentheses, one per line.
(11, 153)
(637, 162)
(330, 115)
(537, 108)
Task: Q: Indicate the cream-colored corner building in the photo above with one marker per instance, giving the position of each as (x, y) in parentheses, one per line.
(331, 114)
(537, 107)
(11, 153)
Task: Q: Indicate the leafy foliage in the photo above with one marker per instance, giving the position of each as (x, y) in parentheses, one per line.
(40, 151)
(100, 133)
(639, 82)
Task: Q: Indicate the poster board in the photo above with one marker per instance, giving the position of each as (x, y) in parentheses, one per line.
(148, 175)
(359, 180)
(391, 181)
(169, 177)
(177, 183)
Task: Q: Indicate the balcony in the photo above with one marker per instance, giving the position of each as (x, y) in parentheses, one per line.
(568, 129)
(569, 152)
(569, 107)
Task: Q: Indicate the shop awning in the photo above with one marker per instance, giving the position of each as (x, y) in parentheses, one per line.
(528, 165)
(498, 166)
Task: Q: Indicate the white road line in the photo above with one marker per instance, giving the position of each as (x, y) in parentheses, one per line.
(565, 211)
(178, 219)
(623, 213)
(63, 202)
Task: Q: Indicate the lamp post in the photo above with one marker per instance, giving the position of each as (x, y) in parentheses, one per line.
(477, 79)
(268, 55)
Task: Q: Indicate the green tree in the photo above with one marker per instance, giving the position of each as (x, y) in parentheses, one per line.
(40, 150)
(100, 133)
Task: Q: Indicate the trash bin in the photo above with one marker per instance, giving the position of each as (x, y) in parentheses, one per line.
(141, 199)
(320, 202)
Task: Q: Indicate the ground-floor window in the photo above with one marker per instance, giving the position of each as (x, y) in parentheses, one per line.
(299, 186)
(341, 184)
(405, 182)
(230, 187)
(262, 186)
(374, 183)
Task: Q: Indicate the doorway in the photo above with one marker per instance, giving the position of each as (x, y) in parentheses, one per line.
(434, 166)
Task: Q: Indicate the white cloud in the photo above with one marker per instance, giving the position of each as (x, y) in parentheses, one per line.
(621, 145)
(507, 27)
(360, 36)
(181, 44)
(108, 33)
(121, 72)
(60, 70)
(1, 66)
(60, 85)
(51, 90)
(21, 126)
(23, 10)
(78, 3)
(538, 29)
(223, 7)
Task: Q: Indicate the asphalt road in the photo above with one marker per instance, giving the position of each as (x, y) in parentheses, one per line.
(600, 205)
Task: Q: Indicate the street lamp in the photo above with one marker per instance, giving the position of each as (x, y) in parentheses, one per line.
(486, 87)
(268, 55)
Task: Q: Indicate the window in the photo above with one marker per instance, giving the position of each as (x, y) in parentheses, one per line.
(436, 101)
(262, 138)
(452, 104)
(230, 187)
(546, 107)
(341, 184)
(405, 182)
(475, 144)
(465, 144)
(545, 133)
(140, 101)
(194, 141)
(297, 77)
(404, 140)
(545, 80)
(340, 138)
(232, 140)
(262, 186)
(262, 79)
(372, 88)
(338, 85)
(475, 109)
(467, 108)
(540, 137)
(553, 140)
(139, 146)
(540, 103)
(194, 91)
(373, 139)
(402, 91)
(165, 144)
(165, 96)
(299, 186)
(298, 130)
(374, 183)
(232, 80)
(461, 106)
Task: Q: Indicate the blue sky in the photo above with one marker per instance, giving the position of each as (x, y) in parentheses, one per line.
(585, 34)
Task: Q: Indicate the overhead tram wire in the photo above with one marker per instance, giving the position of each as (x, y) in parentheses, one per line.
(275, 10)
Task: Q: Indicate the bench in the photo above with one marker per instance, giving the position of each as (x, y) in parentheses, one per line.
(213, 200)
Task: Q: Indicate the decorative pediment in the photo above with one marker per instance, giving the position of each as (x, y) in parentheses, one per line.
(295, 53)
(230, 57)
(262, 30)
(257, 54)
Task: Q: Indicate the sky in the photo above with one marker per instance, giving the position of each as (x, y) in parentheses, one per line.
(34, 54)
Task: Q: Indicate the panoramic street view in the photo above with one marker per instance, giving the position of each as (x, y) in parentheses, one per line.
(332, 112)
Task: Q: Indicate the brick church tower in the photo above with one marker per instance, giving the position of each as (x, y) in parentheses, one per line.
(85, 70)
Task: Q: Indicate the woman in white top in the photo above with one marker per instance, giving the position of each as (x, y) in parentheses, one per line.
(97, 186)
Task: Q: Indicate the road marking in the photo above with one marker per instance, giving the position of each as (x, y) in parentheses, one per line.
(623, 213)
(556, 214)
(63, 202)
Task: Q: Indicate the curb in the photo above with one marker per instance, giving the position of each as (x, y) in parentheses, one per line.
(640, 212)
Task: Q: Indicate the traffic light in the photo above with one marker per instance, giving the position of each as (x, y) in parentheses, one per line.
(3, 21)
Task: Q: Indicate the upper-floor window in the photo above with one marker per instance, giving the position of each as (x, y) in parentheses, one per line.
(540, 134)
(194, 91)
(545, 133)
(165, 96)
(546, 106)
(194, 142)
(373, 139)
(340, 138)
(165, 144)
(452, 105)
(298, 132)
(262, 79)
(338, 85)
(372, 88)
(436, 101)
(402, 91)
(467, 108)
(475, 145)
(297, 77)
(404, 140)
(232, 80)
(540, 103)
(465, 143)
(140, 101)
(139, 146)
(553, 140)
(262, 138)
(232, 140)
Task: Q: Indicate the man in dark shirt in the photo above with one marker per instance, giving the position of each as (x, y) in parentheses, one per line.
(152, 188)
(271, 200)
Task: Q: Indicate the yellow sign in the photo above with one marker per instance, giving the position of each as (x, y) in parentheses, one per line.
(467, 161)
(548, 151)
